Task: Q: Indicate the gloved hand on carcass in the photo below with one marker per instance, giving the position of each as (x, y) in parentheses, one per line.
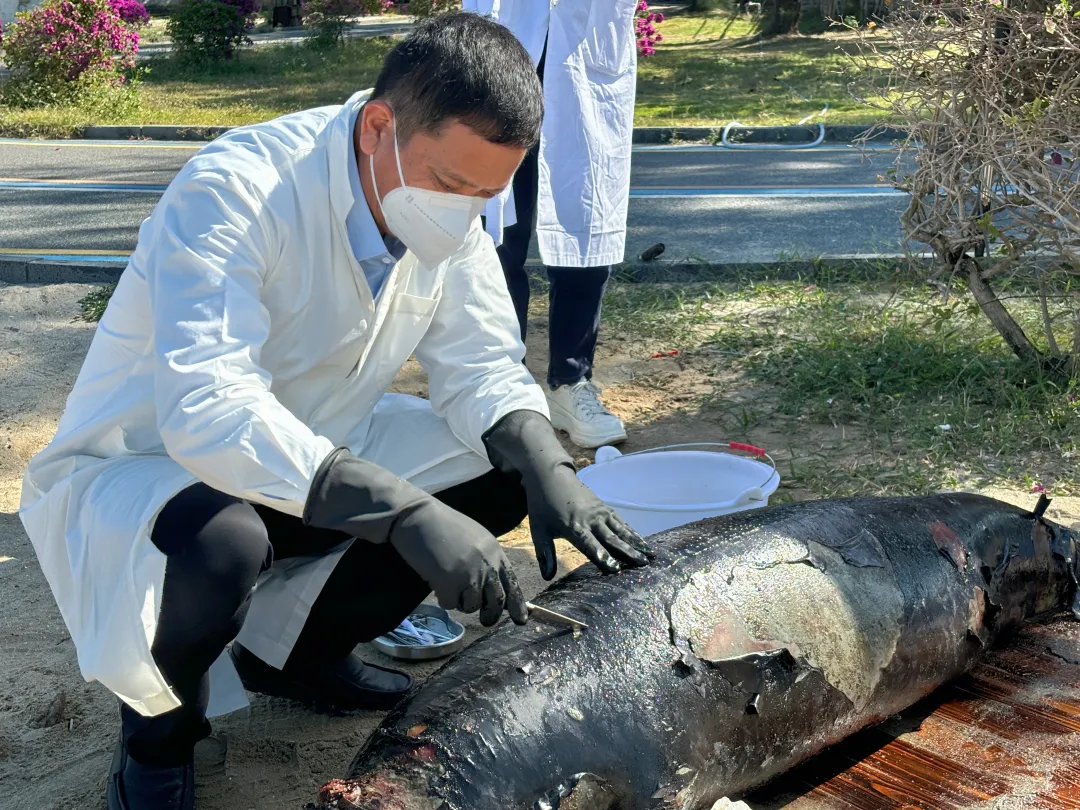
(559, 504)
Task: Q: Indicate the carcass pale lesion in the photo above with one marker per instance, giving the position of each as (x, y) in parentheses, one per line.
(826, 608)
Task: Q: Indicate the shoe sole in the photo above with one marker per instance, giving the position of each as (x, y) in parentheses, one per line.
(563, 421)
(318, 704)
(299, 694)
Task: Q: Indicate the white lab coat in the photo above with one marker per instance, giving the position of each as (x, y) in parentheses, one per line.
(241, 346)
(590, 76)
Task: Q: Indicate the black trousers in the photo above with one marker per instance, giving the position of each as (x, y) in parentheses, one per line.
(576, 293)
(216, 548)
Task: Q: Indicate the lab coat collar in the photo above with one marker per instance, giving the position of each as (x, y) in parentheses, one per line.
(371, 242)
(337, 139)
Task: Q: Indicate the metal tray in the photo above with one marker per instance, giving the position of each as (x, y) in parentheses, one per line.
(446, 648)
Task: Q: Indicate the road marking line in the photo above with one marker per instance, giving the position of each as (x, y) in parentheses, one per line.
(768, 191)
(71, 252)
(81, 185)
(705, 147)
(196, 145)
(65, 256)
(103, 144)
(635, 191)
(83, 254)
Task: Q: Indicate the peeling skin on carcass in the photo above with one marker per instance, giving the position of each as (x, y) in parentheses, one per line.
(1041, 540)
(949, 543)
(830, 615)
(977, 620)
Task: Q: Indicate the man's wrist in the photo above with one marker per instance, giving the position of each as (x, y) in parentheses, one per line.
(524, 441)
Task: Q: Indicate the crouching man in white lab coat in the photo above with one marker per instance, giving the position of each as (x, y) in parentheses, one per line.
(231, 426)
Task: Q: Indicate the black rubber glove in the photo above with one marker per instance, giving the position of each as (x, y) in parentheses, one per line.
(460, 559)
(559, 504)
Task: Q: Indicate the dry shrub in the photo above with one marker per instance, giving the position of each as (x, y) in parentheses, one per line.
(991, 96)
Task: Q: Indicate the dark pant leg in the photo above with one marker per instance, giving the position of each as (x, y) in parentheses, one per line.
(574, 320)
(575, 295)
(495, 500)
(216, 547)
(514, 250)
(372, 588)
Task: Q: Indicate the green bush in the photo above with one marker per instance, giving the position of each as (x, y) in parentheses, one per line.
(266, 13)
(813, 22)
(704, 5)
(329, 18)
(207, 31)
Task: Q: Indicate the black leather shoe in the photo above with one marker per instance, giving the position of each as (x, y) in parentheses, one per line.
(144, 787)
(348, 685)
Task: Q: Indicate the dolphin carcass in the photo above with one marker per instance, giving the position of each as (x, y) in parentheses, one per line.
(753, 642)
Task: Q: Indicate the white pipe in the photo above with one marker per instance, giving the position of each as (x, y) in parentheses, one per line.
(764, 146)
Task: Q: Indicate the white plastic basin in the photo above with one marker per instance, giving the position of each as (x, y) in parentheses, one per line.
(656, 490)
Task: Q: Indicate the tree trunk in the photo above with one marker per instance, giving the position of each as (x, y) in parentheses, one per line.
(782, 17)
(1008, 328)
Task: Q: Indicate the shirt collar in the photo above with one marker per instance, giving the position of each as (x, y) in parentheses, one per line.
(371, 242)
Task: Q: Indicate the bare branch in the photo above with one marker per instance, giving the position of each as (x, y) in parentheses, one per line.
(990, 93)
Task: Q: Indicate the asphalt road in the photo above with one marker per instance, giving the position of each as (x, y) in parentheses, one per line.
(704, 203)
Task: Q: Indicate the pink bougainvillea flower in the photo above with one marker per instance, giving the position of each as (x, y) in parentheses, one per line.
(51, 47)
(645, 23)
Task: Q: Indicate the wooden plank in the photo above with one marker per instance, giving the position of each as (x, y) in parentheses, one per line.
(1011, 727)
(1065, 793)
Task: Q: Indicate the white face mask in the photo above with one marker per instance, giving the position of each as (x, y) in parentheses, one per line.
(432, 224)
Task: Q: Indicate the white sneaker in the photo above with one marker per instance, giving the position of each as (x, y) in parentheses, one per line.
(577, 410)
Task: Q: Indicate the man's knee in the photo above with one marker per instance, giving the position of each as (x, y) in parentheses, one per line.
(214, 536)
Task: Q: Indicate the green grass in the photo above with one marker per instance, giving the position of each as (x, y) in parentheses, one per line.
(710, 70)
(92, 305)
(153, 31)
(860, 375)
(707, 72)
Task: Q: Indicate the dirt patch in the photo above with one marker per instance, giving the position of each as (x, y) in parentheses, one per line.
(57, 732)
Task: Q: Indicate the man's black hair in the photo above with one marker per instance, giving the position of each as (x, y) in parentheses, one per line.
(463, 67)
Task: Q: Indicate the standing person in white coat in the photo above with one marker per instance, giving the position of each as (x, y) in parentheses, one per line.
(231, 426)
(577, 184)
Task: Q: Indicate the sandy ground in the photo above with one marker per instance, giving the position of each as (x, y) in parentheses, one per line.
(57, 732)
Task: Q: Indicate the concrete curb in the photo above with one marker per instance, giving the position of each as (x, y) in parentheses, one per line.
(152, 132)
(39, 271)
(654, 136)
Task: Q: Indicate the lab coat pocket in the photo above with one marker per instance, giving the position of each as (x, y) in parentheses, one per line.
(609, 39)
(406, 323)
(413, 307)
